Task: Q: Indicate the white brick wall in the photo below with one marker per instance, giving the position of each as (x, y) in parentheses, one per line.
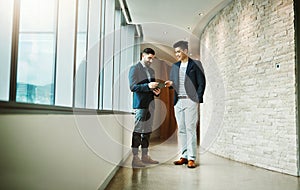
(249, 114)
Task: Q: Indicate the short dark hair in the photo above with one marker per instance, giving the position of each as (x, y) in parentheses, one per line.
(181, 44)
(149, 51)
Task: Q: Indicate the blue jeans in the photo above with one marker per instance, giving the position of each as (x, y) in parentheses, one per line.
(186, 113)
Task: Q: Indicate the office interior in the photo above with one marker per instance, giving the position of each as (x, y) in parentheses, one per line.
(66, 114)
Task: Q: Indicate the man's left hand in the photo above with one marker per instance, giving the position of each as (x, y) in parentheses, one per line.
(156, 91)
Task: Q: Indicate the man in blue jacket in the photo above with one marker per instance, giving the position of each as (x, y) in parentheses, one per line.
(142, 84)
(188, 79)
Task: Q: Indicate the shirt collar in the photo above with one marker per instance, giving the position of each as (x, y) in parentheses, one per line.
(144, 66)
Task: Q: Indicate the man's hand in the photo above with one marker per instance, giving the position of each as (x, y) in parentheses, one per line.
(152, 85)
(168, 83)
(156, 91)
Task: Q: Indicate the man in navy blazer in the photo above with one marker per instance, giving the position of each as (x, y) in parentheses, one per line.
(142, 84)
(188, 79)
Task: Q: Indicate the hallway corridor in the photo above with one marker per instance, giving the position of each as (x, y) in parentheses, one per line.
(213, 173)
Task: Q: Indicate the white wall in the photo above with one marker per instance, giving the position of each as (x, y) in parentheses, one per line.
(61, 151)
(249, 114)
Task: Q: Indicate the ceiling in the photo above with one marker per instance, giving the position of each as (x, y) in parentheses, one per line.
(163, 22)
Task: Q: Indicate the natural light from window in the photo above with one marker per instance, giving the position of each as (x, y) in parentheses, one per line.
(36, 53)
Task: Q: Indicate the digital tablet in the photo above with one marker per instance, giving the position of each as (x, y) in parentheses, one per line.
(161, 85)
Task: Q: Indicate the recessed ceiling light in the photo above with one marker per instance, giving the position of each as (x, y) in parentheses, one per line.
(165, 32)
(201, 14)
(189, 28)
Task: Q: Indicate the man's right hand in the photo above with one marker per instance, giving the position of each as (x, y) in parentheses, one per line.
(152, 85)
(168, 83)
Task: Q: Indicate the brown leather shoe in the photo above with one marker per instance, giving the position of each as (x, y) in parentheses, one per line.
(181, 161)
(147, 160)
(137, 163)
(191, 164)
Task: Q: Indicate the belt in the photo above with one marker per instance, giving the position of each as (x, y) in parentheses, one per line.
(182, 97)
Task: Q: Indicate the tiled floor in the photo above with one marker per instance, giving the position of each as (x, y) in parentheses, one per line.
(213, 173)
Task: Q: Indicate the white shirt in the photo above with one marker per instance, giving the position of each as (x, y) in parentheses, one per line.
(147, 71)
(182, 74)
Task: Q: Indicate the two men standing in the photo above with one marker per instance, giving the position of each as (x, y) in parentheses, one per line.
(188, 80)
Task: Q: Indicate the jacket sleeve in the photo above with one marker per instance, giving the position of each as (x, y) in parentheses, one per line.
(172, 76)
(201, 81)
(135, 85)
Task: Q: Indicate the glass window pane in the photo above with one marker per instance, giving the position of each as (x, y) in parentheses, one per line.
(6, 20)
(81, 48)
(117, 61)
(93, 55)
(108, 61)
(36, 53)
(65, 53)
(127, 55)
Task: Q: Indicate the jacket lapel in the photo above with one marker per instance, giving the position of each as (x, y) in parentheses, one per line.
(177, 74)
(189, 67)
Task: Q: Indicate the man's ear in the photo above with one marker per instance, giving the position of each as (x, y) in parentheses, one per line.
(185, 51)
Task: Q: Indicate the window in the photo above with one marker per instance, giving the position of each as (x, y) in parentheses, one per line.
(108, 61)
(93, 55)
(36, 52)
(6, 22)
(117, 60)
(127, 59)
(65, 53)
(81, 51)
(68, 53)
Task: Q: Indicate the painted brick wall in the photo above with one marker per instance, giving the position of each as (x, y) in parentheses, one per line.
(249, 114)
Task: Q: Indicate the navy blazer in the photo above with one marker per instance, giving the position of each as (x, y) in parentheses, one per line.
(138, 82)
(194, 81)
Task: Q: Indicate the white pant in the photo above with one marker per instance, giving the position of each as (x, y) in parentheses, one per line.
(186, 113)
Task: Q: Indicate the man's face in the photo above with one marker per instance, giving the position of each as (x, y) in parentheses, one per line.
(147, 59)
(180, 54)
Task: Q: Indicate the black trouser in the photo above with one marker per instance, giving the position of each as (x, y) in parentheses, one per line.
(140, 139)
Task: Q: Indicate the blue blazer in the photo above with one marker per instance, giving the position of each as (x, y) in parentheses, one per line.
(194, 81)
(138, 82)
